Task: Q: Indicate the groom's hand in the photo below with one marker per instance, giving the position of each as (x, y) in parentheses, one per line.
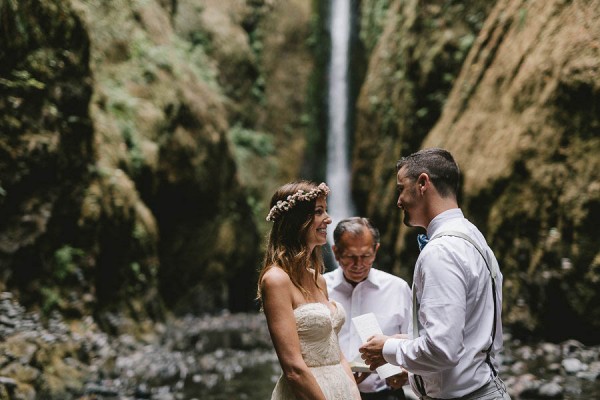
(372, 350)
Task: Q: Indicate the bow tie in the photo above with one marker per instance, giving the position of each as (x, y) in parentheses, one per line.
(422, 240)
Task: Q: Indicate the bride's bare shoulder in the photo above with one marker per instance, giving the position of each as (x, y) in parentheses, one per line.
(275, 276)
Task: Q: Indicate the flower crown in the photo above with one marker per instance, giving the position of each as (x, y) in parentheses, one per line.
(290, 201)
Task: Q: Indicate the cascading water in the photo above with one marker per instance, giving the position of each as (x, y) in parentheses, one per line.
(338, 167)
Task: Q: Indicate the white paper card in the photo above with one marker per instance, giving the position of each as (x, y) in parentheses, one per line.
(366, 325)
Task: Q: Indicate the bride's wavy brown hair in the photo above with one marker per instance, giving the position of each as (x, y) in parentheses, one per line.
(287, 247)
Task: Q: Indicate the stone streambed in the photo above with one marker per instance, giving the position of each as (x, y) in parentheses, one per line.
(220, 357)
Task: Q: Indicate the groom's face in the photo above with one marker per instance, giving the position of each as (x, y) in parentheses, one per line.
(408, 198)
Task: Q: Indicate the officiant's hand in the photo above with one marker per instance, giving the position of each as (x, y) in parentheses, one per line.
(372, 351)
(360, 376)
(397, 381)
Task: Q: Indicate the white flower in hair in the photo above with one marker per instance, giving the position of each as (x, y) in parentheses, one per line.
(300, 195)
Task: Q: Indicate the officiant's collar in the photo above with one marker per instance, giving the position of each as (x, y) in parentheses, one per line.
(372, 279)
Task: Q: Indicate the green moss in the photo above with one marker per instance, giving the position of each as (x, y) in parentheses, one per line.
(522, 18)
(51, 299)
(373, 16)
(136, 157)
(254, 153)
(66, 262)
(137, 272)
(22, 80)
(247, 140)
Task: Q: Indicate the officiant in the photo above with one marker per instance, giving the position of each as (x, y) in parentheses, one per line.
(362, 289)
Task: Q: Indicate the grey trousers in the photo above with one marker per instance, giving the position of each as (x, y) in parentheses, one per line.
(493, 390)
(384, 395)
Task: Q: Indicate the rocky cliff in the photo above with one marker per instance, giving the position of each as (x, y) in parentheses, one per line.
(142, 139)
(414, 53)
(139, 141)
(523, 120)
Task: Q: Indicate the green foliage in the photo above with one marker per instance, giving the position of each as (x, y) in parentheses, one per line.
(139, 233)
(315, 115)
(258, 89)
(120, 103)
(154, 56)
(257, 165)
(50, 299)
(151, 58)
(256, 36)
(201, 64)
(522, 18)
(201, 39)
(246, 140)
(464, 45)
(65, 262)
(137, 271)
(136, 157)
(373, 16)
(22, 80)
(122, 106)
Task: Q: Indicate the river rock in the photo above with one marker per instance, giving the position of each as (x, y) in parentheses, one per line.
(550, 390)
(573, 365)
(569, 347)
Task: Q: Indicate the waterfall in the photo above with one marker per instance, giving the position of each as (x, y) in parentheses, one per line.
(338, 166)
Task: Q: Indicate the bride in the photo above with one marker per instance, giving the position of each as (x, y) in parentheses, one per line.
(302, 322)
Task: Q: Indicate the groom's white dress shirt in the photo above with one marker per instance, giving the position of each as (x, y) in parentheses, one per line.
(455, 312)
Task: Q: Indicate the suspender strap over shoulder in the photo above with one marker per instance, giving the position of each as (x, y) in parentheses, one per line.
(493, 274)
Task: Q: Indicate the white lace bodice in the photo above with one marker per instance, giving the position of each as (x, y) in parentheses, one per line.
(317, 328)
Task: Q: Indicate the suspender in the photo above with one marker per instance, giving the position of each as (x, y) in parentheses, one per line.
(493, 275)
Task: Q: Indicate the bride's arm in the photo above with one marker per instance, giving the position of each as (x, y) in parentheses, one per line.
(276, 290)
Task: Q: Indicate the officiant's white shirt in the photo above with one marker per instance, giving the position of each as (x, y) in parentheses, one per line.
(385, 295)
(453, 291)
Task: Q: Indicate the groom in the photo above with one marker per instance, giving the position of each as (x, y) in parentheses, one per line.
(456, 328)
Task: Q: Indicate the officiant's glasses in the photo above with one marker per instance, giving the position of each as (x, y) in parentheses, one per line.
(347, 259)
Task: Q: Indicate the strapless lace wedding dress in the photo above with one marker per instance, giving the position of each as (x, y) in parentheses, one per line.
(318, 328)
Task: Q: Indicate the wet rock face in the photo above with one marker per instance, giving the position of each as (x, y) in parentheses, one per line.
(118, 187)
(522, 120)
(528, 94)
(46, 146)
(414, 53)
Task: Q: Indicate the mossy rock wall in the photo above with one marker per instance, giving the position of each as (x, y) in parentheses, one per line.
(414, 53)
(139, 141)
(522, 119)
